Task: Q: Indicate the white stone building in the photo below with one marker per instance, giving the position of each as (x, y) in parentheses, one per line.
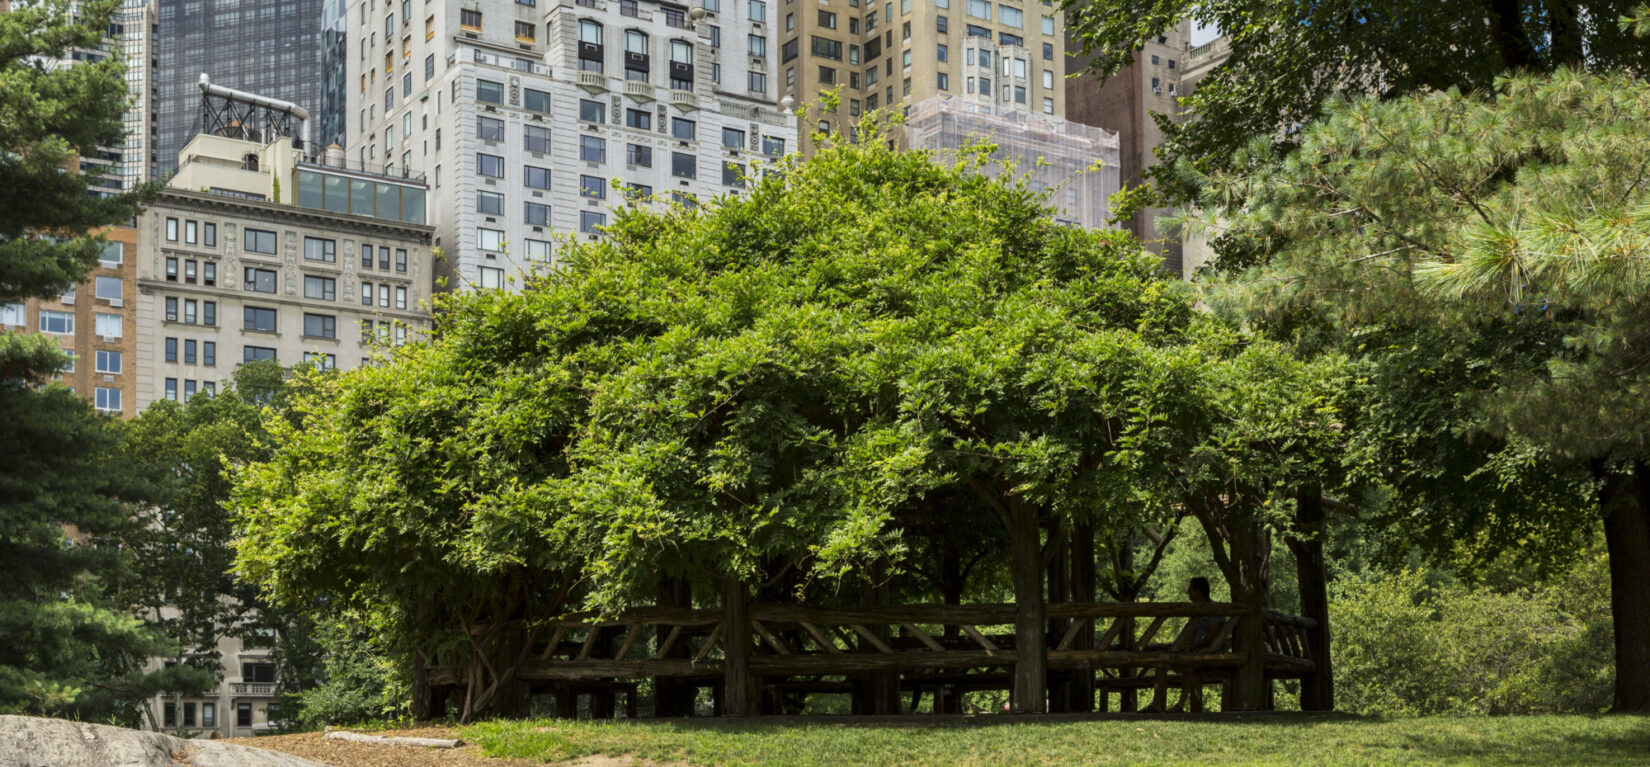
(526, 114)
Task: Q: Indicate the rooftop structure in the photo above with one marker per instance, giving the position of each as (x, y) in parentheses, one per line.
(1077, 163)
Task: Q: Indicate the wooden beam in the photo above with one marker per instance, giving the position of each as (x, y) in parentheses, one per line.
(979, 638)
(589, 643)
(1070, 635)
(820, 638)
(1111, 633)
(923, 637)
(772, 640)
(670, 641)
(555, 642)
(1150, 632)
(871, 638)
(710, 642)
(629, 639)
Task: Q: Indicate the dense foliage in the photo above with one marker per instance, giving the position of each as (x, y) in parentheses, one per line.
(1289, 58)
(1486, 254)
(50, 115)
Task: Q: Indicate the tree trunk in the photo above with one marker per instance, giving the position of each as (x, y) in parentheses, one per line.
(1128, 701)
(1030, 643)
(1564, 33)
(1509, 35)
(879, 690)
(1318, 687)
(1249, 554)
(738, 688)
(1626, 506)
(1059, 590)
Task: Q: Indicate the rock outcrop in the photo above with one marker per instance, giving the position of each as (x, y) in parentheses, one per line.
(27, 741)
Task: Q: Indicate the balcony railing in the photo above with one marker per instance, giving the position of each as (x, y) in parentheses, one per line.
(264, 689)
(592, 80)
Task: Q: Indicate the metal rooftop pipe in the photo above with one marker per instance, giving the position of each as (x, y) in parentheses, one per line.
(254, 99)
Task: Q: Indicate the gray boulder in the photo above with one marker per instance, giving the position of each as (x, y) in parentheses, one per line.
(27, 741)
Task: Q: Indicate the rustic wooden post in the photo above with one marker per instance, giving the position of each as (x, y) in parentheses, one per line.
(1059, 590)
(1030, 642)
(738, 688)
(672, 697)
(1082, 590)
(880, 690)
(1318, 687)
(1248, 684)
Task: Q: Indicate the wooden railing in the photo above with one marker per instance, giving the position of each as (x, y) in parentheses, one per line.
(791, 640)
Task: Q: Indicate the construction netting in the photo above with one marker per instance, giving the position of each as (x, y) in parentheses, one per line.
(1076, 163)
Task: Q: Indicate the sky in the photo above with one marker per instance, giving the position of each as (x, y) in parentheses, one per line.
(1202, 34)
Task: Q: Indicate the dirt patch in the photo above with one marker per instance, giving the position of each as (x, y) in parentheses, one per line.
(343, 753)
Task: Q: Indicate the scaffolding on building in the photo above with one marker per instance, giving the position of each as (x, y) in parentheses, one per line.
(1077, 164)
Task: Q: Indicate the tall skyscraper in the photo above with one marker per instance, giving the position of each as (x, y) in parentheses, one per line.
(269, 47)
(1125, 103)
(1008, 56)
(533, 118)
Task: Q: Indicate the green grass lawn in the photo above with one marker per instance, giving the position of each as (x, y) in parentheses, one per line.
(1294, 740)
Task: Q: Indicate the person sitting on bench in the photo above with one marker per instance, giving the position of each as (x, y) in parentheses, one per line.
(1199, 634)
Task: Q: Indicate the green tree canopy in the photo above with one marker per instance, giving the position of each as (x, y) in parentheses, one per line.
(54, 110)
(1289, 58)
(1503, 238)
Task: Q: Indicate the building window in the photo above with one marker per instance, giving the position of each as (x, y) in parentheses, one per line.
(1010, 17)
(490, 239)
(979, 9)
(401, 260)
(366, 256)
(592, 111)
(109, 325)
(257, 353)
(13, 315)
(772, 146)
(259, 241)
(317, 249)
(943, 82)
(171, 230)
(590, 221)
(758, 10)
(108, 288)
(491, 277)
(171, 310)
(191, 232)
(489, 203)
(756, 82)
(682, 129)
(321, 361)
(260, 280)
(324, 288)
(592, 149)
(172, 394)
(58, 323)
(827, 19)
(683, 165)
(526, 31)
(733, 138)
(366, 294)
(1048, 105)
(383, 257)
(489, 92)
(490, 165)
(209, 312)
(536, 177)
(538, 214)
(638, 119)
(189, 351)
(535, 101)
(536, 139)
(209, 273)
(108, 362)
(400, 298)
(108, 399)
(591, 186)
(538, 250)
(827, 76)
(733, 174)
(489, 129)
(638, 155)
(429, 67)
(1048, 51)
(787, 52)
(826, 48)
(320, 326)
(257, 318)
(470, 19)
(209, 353)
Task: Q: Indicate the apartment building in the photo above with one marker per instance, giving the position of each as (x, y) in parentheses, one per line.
(243, 704)
(1126, 103)
(256, 252)
(95, 324)
(1201, 60)
(1007, 56)
(533, 119)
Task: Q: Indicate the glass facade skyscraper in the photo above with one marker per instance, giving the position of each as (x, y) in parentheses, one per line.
(269, 47)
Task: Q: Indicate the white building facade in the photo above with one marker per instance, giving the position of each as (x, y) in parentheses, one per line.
(533, 119)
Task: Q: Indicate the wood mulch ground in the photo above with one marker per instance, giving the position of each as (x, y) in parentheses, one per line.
(343, 753)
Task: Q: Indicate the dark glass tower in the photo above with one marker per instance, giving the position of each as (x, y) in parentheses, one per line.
(329, 124)
(269, 47)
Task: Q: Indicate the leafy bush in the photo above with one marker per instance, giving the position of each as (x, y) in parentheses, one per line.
(1405, 647)
(361, 682)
